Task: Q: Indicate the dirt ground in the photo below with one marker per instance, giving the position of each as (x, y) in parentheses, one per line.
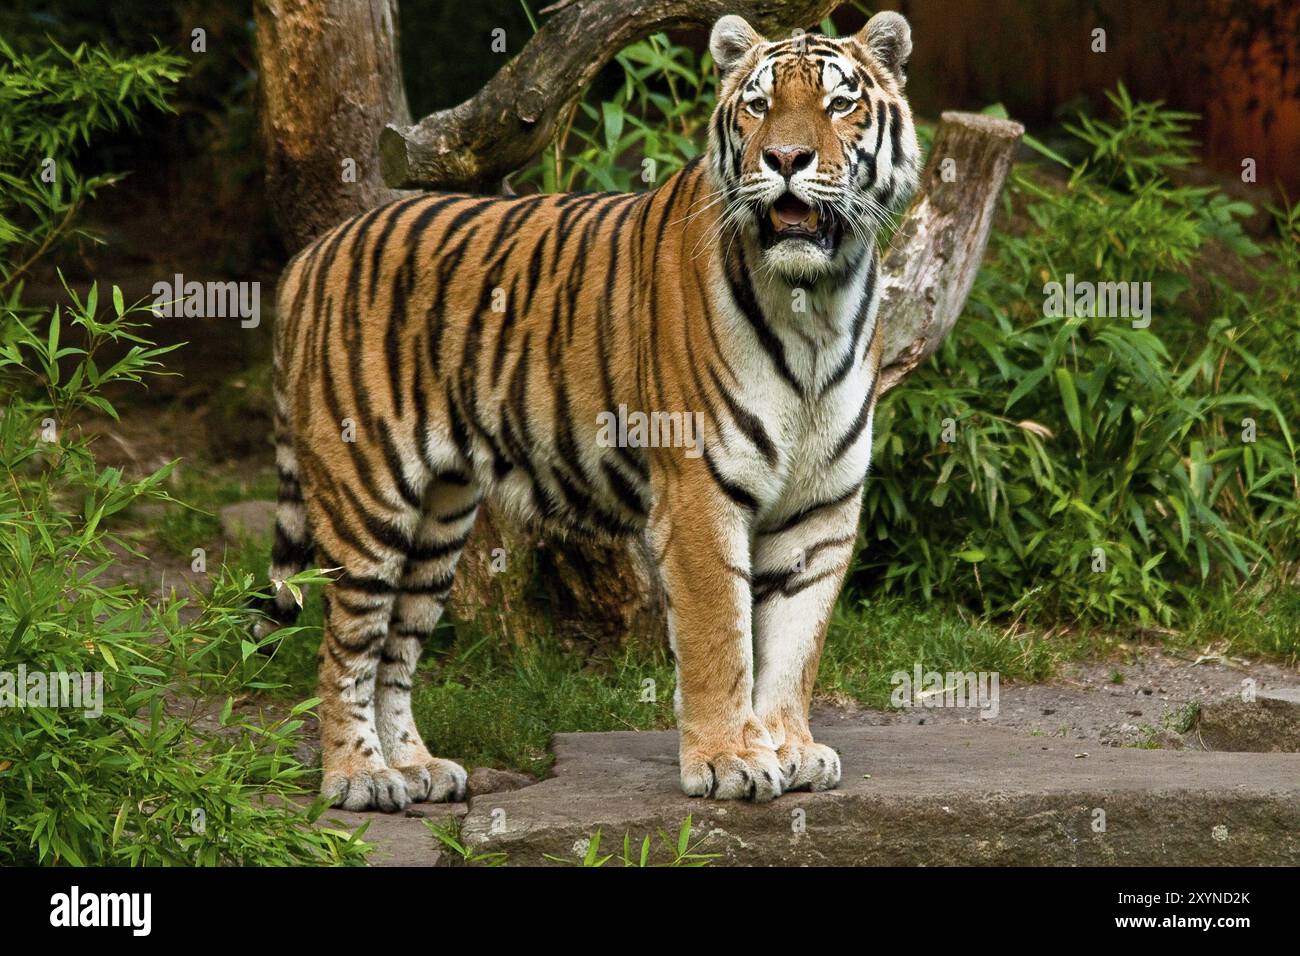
(1139, 701)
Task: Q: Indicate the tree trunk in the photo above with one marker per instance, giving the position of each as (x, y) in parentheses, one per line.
(934, 256)
(330, 81)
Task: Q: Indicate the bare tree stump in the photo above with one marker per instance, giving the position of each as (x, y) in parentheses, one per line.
(330, 80)
(935, 254)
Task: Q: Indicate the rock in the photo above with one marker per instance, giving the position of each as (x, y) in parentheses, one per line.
(151, 511)
(939, 794)
(1268, 724)
(489, 780)
(248, 519)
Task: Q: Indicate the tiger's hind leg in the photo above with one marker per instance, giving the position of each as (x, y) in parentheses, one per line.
(366, 540)
(450, 509)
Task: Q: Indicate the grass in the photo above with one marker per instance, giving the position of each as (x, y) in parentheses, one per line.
(870, 640)
(448, 835)
(196, 523)
(499, 709)
(1262, 621)
(642, 853)
(670, 851)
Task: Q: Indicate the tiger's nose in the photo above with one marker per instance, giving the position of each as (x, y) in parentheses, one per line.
(788, 160)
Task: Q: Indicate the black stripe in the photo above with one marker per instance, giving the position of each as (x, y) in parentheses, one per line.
(788, 588)
(440, 586)
(895, 134)
(746, 421)
(799, 517)
(394, 460)
(743, 296)
(859, 323)
(366, 585)
(732, 490)
(286, 552)
(429, 551)
(381, 241)
(850, 437)
(627, 493)
(389, 535)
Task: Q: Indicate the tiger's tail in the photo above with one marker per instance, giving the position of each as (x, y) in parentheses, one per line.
(293, 550)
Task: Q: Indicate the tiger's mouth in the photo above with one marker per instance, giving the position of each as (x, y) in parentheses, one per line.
(791, 218)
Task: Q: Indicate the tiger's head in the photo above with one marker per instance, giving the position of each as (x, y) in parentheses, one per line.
(812, 144)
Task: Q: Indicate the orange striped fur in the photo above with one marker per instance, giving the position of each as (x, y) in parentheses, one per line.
(446, 347)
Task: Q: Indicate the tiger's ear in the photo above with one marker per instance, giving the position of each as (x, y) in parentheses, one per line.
(889, 39)
(731, 39)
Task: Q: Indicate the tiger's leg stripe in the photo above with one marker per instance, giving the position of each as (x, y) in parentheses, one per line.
(787, 584)
(397, 466)
(351, 599)
(629, 493)
(803, 514)
(331, 520)
(356, 776)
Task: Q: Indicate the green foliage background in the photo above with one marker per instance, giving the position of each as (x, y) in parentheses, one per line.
(153, 778)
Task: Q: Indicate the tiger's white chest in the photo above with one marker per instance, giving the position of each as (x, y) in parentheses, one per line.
(822, 445)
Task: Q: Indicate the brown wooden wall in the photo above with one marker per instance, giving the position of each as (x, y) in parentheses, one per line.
(1237, 62)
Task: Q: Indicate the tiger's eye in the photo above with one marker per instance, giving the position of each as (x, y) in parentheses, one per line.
(841, 104)
(758, 106)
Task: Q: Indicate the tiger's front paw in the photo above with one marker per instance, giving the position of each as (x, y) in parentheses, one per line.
(808, 766)
(750, 774)
(367, 789)
(437, 781)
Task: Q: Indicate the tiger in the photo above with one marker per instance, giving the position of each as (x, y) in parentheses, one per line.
(446, 347)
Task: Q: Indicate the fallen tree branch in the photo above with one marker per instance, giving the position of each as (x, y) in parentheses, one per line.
(509, 122)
